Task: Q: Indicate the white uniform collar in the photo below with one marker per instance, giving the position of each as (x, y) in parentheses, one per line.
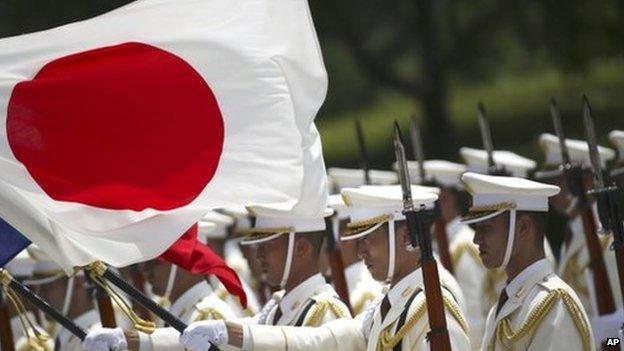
(515, 285)
(297, 297)
(191, 297)
(406, 286)
(353, 274)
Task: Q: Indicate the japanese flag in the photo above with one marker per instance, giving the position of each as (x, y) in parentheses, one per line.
(120, 132)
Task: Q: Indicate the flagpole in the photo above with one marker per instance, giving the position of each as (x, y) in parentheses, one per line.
(103, 271)
(9, 282)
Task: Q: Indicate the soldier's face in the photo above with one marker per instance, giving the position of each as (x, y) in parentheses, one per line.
(373, 249)
(272, 256)
(491, 237)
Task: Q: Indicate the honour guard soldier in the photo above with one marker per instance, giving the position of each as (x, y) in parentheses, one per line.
(517, 166)
(536, 310)
(396, 321)
(363, 289)
(288, 248)
(574, 257)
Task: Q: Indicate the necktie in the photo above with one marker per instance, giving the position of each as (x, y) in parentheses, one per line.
(385, 307)
(501, 300)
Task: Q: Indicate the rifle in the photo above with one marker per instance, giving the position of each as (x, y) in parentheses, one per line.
(439, 226)
(6, 334)
(12, 285)
(363, 152)
(610, 218)
(418, 225)
(100, 270)
(486, 138)
(337, 265)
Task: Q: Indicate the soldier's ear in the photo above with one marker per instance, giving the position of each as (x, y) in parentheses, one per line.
(302, 247)
(523, 225)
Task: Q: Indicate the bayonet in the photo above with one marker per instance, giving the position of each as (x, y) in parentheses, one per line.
(590, 135)
(404, 179)
(363, 152)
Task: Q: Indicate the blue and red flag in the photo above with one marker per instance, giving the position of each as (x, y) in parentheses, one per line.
(11, 242)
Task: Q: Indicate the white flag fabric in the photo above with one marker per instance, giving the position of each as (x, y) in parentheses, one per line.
(119, 132)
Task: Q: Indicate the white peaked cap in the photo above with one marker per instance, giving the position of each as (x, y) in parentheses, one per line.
(275, 219)
(493, 193)
(337, 204)
(517, 165)
(22, 265)
(371, 206)
(214, 225)
(43, 263)
(446, 173)
(617, 139)
(577, 149)
(351, 178)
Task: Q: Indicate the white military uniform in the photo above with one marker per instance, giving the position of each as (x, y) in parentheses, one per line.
(363, 289)
(542, 313)
(368, 331)
(536, 310)
(573, 265)
(198, 303)
(311, 303)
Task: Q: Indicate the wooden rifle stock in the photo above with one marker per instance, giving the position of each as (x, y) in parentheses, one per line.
(6, 334)
(438, 334)
(103, 302)
(604, 295)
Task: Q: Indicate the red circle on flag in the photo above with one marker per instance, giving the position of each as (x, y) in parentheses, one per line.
(129, 126)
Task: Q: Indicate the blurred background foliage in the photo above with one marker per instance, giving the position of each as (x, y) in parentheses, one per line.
(435, 59)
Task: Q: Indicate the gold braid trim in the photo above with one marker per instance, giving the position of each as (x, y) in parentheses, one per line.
(96, 271)
(388, 341)
(357, 227)
(319, 310)
(493, 207)
(36, 338)
(505, 334)
(605, 240)
(358, 306)
(207, 313)
(465, 247)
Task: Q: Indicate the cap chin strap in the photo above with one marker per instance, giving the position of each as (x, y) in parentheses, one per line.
(289, 256)
(391, 251)
(336, 226)
(510, 237)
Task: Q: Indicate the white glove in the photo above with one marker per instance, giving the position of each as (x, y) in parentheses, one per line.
(105, 339)
(199, 335)
(607, 326)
